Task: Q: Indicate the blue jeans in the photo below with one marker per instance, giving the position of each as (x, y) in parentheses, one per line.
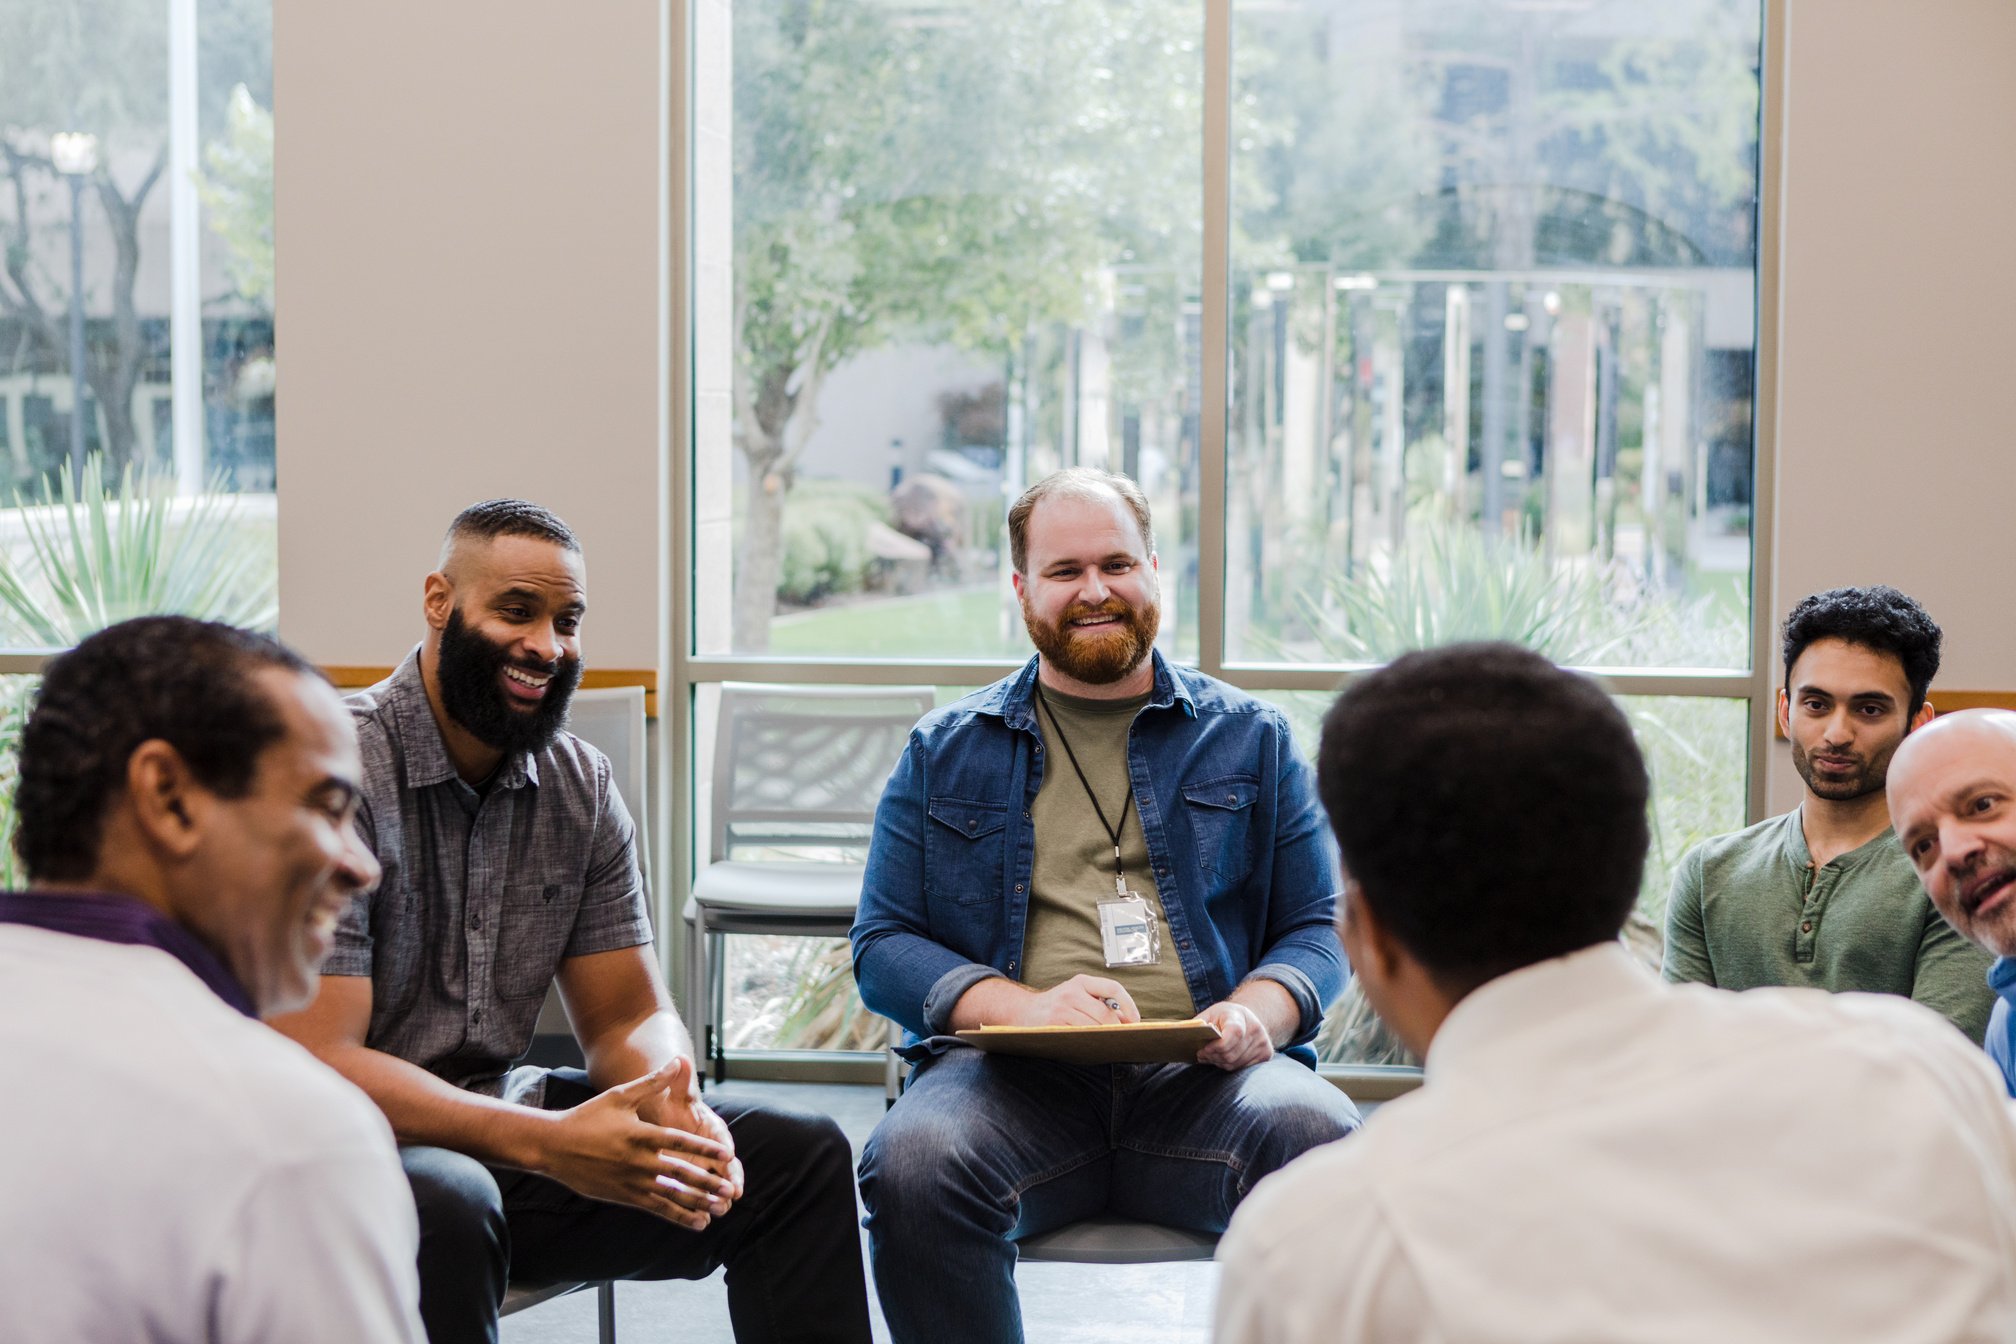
(984, 1149)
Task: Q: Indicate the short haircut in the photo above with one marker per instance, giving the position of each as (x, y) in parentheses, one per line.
(1879, 618)
(508, 518)
(186, 682)
(1490, 806)
(1079, 483)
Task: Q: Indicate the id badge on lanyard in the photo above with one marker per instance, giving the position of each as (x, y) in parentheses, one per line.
(1128, 930)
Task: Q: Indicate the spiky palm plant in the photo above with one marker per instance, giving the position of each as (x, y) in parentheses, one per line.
(1451, 584)
(96, 557)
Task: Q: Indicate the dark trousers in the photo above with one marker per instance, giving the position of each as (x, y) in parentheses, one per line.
(790, 1244)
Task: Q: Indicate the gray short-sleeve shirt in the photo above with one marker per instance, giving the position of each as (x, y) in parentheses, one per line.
(484, 894)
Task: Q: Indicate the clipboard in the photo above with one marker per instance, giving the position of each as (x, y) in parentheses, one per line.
(1107, 1043)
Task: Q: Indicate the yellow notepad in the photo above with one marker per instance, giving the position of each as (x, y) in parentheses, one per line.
(1108, 1043)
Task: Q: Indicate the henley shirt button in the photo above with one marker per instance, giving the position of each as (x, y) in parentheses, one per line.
(1807, 927)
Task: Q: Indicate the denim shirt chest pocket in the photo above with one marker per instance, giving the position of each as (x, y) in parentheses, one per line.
(965, 850)
(1221, 820)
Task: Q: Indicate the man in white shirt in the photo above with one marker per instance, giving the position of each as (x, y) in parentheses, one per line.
(173, 1169)
(1595, 1155)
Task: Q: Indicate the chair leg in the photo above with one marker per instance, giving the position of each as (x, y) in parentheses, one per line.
(717, 1007)
(892, 1068)
(605, 1310)
(701, 954)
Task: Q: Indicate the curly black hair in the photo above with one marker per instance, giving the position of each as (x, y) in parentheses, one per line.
(509, 518)
(186, 682)
(1879, 618)
(1490, 806)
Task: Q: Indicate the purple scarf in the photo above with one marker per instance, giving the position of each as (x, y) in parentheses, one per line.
(124, 919)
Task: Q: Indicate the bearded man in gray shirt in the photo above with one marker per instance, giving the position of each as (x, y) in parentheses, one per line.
(510, 864)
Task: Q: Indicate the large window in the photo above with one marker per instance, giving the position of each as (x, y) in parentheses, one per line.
(136, 324)
(1416, 323)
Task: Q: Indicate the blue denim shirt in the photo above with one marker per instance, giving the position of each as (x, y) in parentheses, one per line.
(2001, 1040)
(1241, 852)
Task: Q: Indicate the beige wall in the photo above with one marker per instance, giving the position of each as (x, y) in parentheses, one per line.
(469, 269)
(1896, 455)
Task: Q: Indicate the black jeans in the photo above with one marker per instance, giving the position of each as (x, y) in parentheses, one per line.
(791, 1243)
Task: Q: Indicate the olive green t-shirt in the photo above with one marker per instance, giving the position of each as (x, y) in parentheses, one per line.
(1073, 869)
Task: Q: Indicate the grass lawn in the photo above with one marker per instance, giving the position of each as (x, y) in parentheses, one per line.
(950, 623)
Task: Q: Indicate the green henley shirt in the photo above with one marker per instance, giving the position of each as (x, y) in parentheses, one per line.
(1750, 909)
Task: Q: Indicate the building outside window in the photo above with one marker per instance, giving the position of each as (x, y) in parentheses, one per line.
(137, 368)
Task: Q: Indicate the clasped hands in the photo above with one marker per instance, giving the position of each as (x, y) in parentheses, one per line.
(1092, 1000)
(651, 1143)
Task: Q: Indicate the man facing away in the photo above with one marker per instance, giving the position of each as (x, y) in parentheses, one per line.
(510, 864)
(1824, 896)
(1953, 797)
(1101, 837)
(1593, 1154)
(172, 1169)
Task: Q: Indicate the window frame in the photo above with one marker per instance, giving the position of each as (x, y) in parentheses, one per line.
(688, 669)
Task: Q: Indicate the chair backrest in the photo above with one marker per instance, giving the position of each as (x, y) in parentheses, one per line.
(798, 769)
(611, 719)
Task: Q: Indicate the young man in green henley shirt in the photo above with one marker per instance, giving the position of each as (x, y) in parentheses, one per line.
(1824, 896)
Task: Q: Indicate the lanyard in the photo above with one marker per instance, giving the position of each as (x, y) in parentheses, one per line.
(1112, 832)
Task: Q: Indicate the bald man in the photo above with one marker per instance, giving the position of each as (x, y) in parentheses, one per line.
(1953, 804)
(510, 864)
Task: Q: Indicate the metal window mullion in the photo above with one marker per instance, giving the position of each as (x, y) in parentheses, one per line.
(1764, 423)
(674, 777)
(1716, 685)
(1214, 336)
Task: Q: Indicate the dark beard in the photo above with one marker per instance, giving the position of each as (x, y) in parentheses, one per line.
(470, 666)
(1101, 661)
(1871, 778)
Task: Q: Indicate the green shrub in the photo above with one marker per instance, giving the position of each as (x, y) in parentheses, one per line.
(825, 552)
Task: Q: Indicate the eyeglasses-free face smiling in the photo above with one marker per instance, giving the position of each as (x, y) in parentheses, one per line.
(1090, 596)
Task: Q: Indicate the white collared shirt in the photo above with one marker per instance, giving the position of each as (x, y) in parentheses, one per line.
(172, 1171)
(1595, 1156)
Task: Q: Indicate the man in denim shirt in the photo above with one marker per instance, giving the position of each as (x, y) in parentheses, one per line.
(1099, 838)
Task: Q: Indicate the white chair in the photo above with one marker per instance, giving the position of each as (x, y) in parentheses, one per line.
(1118, 1241)
(610, 719)
(797, 773)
